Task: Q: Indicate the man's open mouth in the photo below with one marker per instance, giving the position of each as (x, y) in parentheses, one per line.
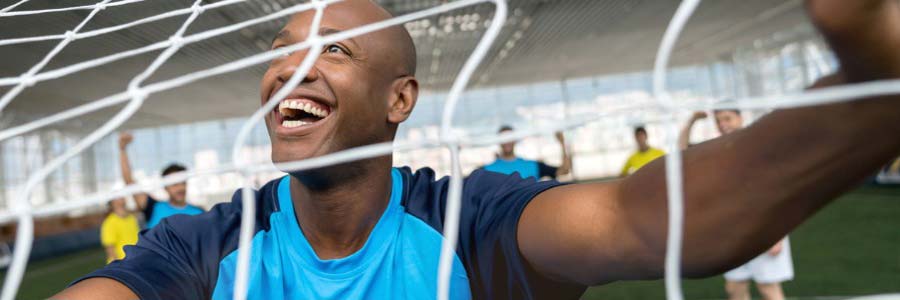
(301, 112)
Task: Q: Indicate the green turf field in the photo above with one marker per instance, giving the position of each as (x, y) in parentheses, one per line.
(850, 248)
(44, 278)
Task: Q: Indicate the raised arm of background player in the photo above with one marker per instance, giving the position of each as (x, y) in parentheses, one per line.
(566, 166)
(781, 170)
(684, 139)
(125, 139)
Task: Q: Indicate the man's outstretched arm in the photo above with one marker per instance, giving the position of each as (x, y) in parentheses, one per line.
(759, 182)
(97, 288)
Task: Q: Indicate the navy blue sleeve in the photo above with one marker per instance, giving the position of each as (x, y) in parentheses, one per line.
(545, 170)
(179, 258)
(488, 244)
(496, 202)
(161, 266)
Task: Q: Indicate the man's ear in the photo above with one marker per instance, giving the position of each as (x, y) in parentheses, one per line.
(402, 100)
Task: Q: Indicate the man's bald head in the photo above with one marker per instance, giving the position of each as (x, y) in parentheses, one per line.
(400, 37)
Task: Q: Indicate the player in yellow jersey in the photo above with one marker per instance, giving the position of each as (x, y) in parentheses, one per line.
(644, 155)
(120, 228)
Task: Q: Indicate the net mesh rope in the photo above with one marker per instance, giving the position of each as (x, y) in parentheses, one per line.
(23, 213)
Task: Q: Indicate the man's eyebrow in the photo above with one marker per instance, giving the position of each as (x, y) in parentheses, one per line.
(328, 31)
(324, 31)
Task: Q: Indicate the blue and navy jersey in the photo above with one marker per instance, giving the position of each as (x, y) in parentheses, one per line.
(157, 210)
(525, 168)
(195, 257)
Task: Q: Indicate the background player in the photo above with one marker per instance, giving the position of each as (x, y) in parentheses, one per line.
(769, 269)
(154, 210)
(644, 154)
(508, 163)
(119, 229)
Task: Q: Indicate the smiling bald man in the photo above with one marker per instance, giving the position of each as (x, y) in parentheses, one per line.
(365, 230)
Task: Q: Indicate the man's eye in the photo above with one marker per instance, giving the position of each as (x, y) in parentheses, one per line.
(335, 49)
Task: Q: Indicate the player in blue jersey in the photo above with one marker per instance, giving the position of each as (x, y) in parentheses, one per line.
(154, 210)
(365, 230)
(508, 163)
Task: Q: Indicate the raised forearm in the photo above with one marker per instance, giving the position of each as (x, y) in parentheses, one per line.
(125, 166)
(566, 159)
(684, 138)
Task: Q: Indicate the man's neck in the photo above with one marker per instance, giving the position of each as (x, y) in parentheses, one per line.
(337, 219)
(177, 204)
(510, 156)
(644, 149)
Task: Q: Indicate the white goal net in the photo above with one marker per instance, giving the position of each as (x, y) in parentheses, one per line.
(139, 91)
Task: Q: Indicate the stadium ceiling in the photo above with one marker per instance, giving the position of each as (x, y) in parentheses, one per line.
(542, 40)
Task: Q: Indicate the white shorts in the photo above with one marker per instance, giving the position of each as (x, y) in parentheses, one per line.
(766, 268)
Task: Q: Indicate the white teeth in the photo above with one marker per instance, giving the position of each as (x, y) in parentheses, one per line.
(283, 108)
(307, 107)
(318, 112)
(292, 124)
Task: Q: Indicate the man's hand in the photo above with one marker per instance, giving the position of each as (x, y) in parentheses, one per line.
(125, 139)
(560, 137)
(698, 115)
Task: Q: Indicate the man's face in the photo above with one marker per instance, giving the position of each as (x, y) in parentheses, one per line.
(340, 104)
(728, 121)
(117, 204)
(507, 149)
(640, 138)
(177, 192)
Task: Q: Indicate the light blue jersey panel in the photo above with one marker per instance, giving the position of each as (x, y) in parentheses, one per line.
(161, 210)
(398, 261)
(525, 168)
